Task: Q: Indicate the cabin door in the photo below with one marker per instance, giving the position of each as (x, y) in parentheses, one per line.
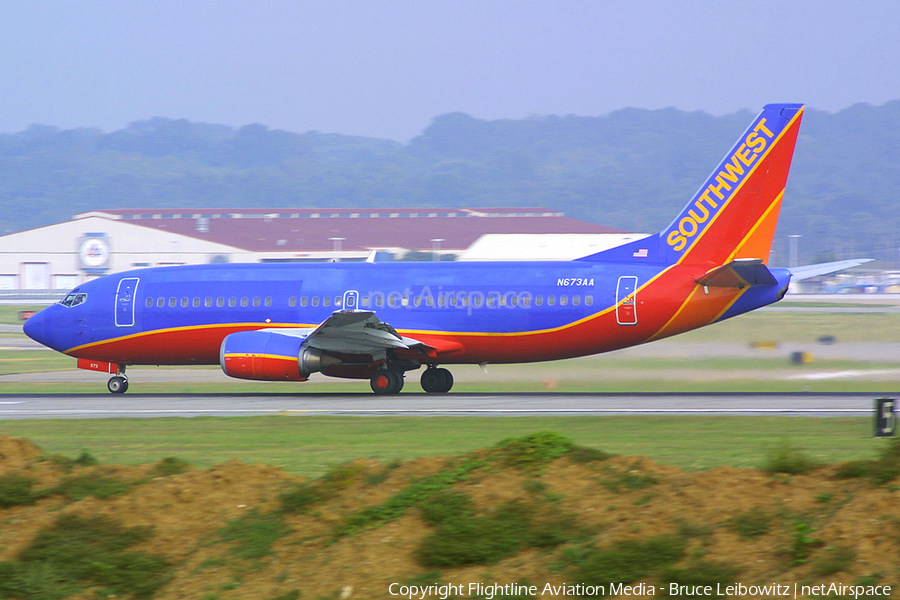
(626, 306)
(125, 302)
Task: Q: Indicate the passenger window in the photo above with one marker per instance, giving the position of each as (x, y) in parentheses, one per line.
(563, 300)
(268, 301)
(551, 300)
(513, 301)
(526, 301)
(477, 301)
(196, 302)
(490, 301)
(149, 303)
(379, 301)
(173, 302)
(453, 300)
(208, 302)
(244, 301)
(232, 302)
(220, 301)
(417, 301)
(588, 300)
(256, 301)
(160, 302)
(338, 301)
(184, 302)
(315, 301)
(292, 301)
(538, 300)
(392, 301)
(326, 301)
(304, 301)
(576, 300)
(365, 302)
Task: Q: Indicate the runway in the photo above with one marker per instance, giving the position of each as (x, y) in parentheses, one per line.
(25, 406)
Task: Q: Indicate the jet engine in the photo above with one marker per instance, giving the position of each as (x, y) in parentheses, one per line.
(270, 356)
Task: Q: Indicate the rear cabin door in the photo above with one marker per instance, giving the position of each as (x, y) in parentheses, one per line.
(125, 301)
(626, 306)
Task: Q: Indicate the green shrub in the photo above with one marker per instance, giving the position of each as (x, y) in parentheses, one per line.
(92, 484)
(463, 538)
(472, 540)
(76, 553)
(254, 533)
(169, 466)
(881, 470)
(802, 542)
(534, 450)
(627, 561)
(85, 459)
(786, 458)
(835, 560)
(16, 490)
(752, 523)
(583, 454)
(303, 496)
(446, 506)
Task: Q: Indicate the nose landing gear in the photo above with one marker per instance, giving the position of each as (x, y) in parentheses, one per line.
(118, 383)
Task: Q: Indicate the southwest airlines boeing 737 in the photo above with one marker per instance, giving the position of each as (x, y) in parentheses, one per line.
(377, 321)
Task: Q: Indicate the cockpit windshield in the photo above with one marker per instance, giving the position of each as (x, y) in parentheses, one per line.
(73, 298)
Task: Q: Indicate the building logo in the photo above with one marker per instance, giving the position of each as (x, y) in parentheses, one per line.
(93, 253)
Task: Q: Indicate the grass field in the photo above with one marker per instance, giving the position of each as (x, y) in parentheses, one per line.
(308, 445)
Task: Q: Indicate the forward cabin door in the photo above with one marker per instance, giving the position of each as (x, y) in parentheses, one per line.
(125, 302)
(626, 306)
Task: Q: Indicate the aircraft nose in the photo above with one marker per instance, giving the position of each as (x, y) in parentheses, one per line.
(37, 327)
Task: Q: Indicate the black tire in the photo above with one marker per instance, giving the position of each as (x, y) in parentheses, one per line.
(117, 385)
(436, 381)
(386, 382)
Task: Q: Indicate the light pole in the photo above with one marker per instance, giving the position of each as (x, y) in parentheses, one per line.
(435, 248)
(794, 241)
(337, 247)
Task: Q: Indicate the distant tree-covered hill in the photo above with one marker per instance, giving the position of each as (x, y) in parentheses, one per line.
(631, 169)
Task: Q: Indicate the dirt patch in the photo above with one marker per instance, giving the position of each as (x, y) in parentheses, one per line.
(225, 534)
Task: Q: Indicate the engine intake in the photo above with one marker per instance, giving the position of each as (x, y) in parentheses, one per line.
(270, 356)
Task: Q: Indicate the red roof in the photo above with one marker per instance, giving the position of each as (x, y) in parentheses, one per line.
(312, 230)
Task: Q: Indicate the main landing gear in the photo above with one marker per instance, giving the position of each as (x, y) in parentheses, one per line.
(387, 381)
(436, 380)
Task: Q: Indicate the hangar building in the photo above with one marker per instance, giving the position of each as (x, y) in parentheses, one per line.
(61, 256)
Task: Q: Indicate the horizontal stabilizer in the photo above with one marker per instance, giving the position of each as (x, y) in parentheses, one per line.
(739, 273)
(808, 271)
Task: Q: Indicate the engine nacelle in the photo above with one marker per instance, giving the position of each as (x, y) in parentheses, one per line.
(270, 356)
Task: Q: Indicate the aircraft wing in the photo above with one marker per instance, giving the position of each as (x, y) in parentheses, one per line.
(805, 272)
(354, 332)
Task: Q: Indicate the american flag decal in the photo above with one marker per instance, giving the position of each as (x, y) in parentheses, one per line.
(642, 253)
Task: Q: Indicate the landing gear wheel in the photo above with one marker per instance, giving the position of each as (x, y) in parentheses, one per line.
(436, 380)
(117, 385)
(386, 382)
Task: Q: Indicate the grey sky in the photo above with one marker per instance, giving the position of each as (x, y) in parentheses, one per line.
(385, 68)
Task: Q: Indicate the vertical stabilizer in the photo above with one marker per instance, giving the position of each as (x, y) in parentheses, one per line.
(735, 212)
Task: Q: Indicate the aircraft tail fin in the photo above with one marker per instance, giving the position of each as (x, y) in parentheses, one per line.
(734, 213)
